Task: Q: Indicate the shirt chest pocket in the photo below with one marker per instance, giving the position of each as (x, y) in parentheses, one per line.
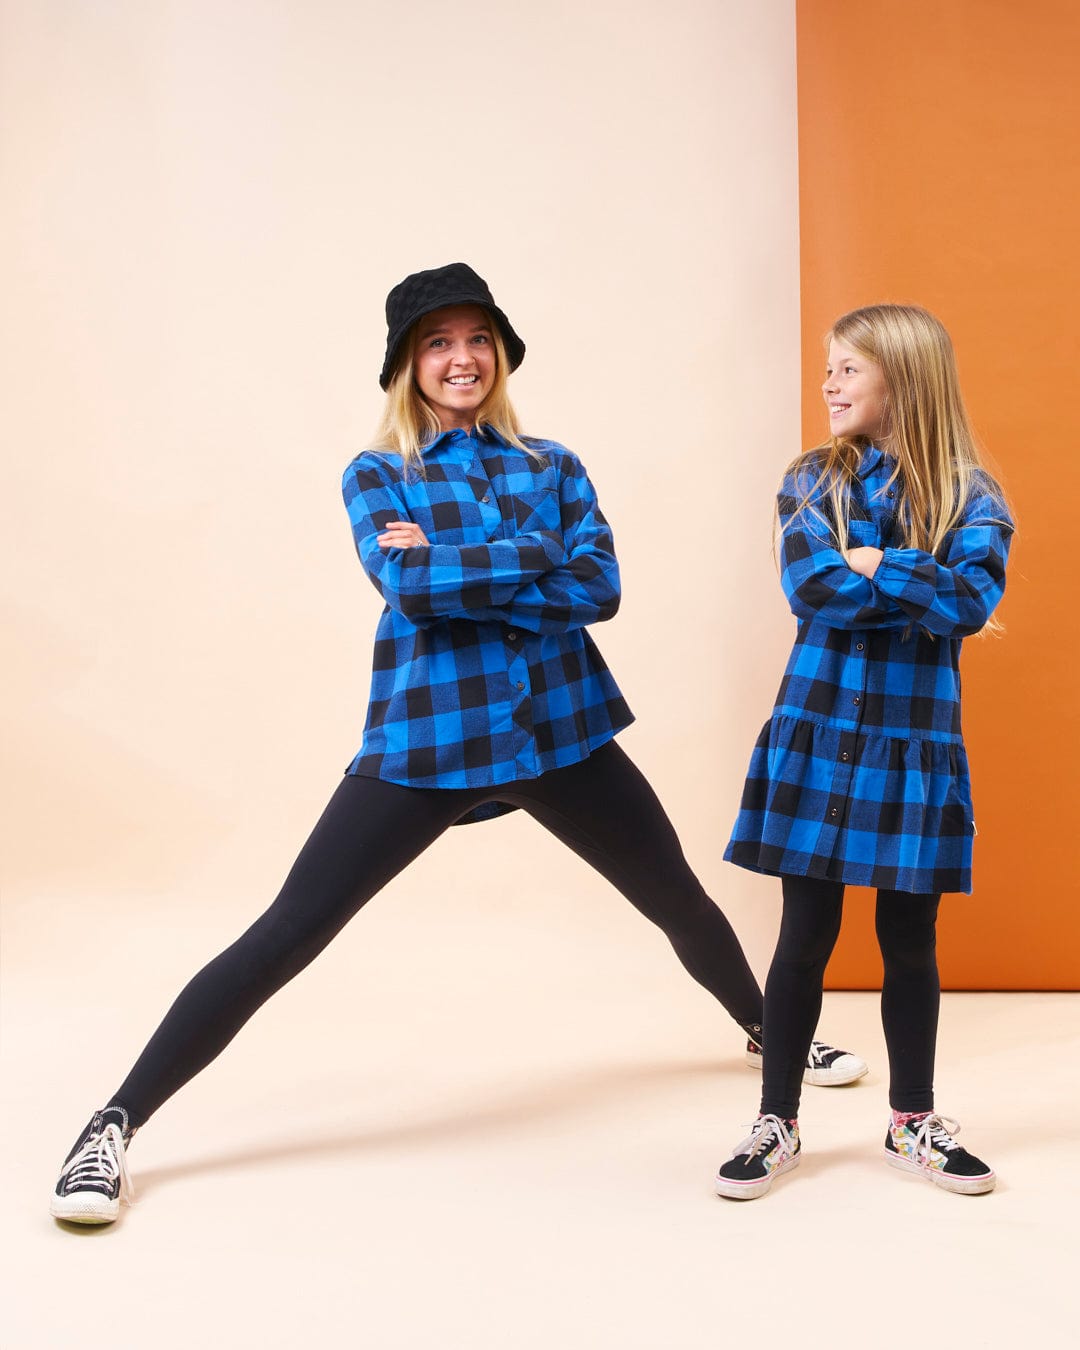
(536, 509)
(863, 534)
(872, 525)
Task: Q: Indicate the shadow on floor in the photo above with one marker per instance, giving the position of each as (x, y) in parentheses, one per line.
(581, 1092)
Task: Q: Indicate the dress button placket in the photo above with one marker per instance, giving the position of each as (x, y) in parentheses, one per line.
(845, 757)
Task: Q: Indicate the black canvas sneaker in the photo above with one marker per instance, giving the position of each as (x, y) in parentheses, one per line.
(825, 1065)
(924, 1144)
(94, 1179)
(770, 1149)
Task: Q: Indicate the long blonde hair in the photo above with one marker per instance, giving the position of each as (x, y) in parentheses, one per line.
(927, 431)
(409, 422)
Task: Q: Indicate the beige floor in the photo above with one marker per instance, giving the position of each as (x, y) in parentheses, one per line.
(507, 1140)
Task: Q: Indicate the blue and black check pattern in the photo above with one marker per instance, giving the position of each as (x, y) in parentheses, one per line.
(861, 775)
(483, 672)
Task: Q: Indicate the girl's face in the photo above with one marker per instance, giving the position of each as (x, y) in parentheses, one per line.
(854, 392)
(454, 363)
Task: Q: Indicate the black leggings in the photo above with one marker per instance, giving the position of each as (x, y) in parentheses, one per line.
(910, 993)
(602, 808)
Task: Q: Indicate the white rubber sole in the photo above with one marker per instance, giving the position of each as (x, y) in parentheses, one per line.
(847, 1069)
(84, 1207)
(751, 1190)
(958, 1185)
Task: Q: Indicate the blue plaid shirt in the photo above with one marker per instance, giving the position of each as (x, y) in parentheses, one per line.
(483, 671)
(861, 775)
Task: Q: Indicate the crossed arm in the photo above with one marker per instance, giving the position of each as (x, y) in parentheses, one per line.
(543, 581)
(896, 587)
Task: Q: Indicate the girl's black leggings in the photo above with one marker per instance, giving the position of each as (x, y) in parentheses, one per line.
(910, 993)
(602, 808)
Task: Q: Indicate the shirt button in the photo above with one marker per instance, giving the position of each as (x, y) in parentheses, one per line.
(834, 812)
(845, 756)
(520, 685)
(485, 500)
(859, 646)
(856, 700)
(511, 637)
(891, 492)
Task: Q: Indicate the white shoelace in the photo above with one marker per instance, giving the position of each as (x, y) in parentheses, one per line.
(760, 1135)
(101, 1158)
(936, 1132)
(818, 1051)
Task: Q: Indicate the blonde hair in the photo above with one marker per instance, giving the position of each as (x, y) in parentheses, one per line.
(409, 422)
(939, 467)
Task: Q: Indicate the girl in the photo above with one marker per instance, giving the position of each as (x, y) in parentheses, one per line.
(893, 548)
(487, 694)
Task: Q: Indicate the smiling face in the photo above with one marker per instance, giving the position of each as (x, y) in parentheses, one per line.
(854, 391)
(454, 363)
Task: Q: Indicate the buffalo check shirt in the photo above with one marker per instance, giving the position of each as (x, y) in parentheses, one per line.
(860, 775)
(483, 672)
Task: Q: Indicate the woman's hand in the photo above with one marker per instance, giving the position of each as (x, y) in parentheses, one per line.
(864, 561)
(402, 534)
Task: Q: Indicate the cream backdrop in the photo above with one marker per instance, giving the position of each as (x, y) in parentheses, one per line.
(490, 1115)
(206, 204)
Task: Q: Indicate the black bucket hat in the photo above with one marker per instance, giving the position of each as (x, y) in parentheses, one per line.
(423, 292)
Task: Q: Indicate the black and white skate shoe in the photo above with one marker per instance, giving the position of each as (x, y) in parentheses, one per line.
(770, 1149)
(825, 1065)
(94, 1179)
(924, 1144)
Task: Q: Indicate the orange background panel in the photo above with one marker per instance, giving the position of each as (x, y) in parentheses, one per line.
(938, 165)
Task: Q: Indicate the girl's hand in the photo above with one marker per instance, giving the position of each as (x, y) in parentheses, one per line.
(402, 534)
(864, 561)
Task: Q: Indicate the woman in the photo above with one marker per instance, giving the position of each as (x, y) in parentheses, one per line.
(487, 694)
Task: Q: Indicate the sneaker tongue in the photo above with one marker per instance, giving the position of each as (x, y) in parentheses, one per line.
(112, 1115)
(764, 1143)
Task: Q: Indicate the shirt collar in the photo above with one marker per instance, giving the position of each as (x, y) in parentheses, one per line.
(471, 437)
(871, 459)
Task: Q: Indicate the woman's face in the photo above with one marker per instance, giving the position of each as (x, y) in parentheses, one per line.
(454, 363)
(854, 392)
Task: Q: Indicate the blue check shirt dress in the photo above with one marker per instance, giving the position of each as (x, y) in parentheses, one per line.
(483, 672)
(860, 775)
